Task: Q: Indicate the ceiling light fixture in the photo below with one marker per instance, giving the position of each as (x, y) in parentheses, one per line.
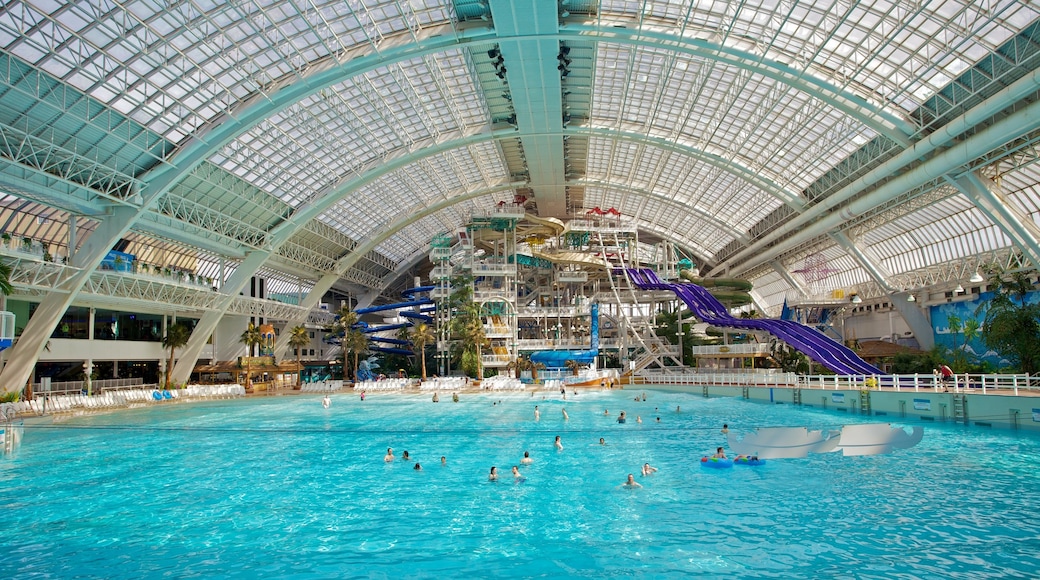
(959, 289)
(856, 299)
(911, 298)
(976, 278)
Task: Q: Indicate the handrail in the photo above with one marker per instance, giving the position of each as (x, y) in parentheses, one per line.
(963, 383)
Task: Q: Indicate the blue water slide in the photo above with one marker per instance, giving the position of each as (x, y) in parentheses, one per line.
(385, 340)
(553, 359)
(811, 342)
(424, 304)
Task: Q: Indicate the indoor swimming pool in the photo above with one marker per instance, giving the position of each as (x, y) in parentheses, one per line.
(282, 487)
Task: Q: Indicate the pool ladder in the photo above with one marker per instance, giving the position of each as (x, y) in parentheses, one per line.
(960, 408)
(864, 401)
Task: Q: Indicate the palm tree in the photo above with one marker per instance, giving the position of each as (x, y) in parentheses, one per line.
(5, 279)
(355, 342)
(299, 338)
(421, 335)
(177, 335)
(351, 338)
(474, 339)
(251, 337)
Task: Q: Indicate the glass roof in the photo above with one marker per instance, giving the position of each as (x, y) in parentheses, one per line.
(704, 121)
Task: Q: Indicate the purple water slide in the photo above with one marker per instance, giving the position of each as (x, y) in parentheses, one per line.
(809, 341)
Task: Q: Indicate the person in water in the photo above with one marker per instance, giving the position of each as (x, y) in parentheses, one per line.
(436, 399)
(621, 418)
(493, 476)
(326, 402)
(558, 444)
(417, 467)
(454, 397)
(565, 416)
(725, 428)
(389, 455)
(719, 454)
(444, 460)
(648, 469)
(631, 482)
(537, 413)
(516, 473)
(527, 458)
(602, 441)
(404, 456)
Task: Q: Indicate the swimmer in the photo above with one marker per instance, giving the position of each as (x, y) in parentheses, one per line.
(648, 469)
(454, 397)
(516, 472)
(639, 419)
(537, 413)
(565, 416)
(326, 402)
(558, 444)
(436, 399)
(719, 454)
(631, 482)
(677, 409)
(493, 476)
(602, 441)
(362, 395)
(644, 397)
(605, 412)
(725, 429)
(527, 458)
(404, 456)
(389, 455)
(417, 467)
(444, 460)
(621, 418)
(658, 419)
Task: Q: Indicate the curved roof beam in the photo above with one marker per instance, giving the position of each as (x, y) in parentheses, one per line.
(329, 71)
(949, 160)
(792, 199)
(892, 126)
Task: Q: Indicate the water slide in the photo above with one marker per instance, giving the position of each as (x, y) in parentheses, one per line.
(558, 358)
(424, 304)
(810, 342)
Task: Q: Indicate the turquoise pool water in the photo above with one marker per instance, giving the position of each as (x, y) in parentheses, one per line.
(282, 488)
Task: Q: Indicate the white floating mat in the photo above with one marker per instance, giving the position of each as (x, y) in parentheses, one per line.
(877, 438)
(784, 442)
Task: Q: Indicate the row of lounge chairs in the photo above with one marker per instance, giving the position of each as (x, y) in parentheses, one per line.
(42, 403)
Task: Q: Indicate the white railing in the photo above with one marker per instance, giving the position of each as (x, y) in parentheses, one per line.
(1005, 384)
(731, 349)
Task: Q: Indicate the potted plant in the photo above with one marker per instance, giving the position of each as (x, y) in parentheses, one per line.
(27, 244)
(7, 239)
(47, 253)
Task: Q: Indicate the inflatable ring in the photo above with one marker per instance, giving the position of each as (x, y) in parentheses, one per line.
(716, 463)
(167, 395)
(157, 395)
(751, 461)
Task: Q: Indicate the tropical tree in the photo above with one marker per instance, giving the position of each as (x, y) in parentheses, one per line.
(5, 279)
(1011, 325)
(177, 335)
(355, 342)
(420, 336)
(251, 337)
(299, 337)
(352, 339)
